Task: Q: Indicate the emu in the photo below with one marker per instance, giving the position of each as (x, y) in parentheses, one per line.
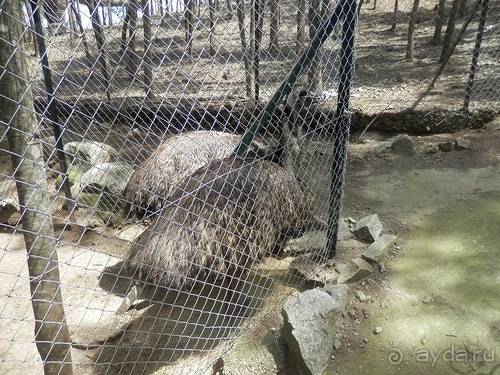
(226, 217)
(157, 177)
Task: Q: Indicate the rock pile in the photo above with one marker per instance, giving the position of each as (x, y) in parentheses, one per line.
(311, 318)
(404, 145)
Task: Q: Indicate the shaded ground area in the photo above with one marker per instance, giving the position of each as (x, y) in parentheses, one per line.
(438, 303)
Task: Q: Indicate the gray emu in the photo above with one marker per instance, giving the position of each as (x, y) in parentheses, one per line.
(156, 178)
(219, 222)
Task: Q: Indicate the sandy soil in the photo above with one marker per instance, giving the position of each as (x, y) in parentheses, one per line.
(441, 289)
(413, 197)
(444, 198)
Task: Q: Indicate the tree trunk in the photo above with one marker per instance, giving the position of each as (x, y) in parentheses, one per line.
(475, 55)
(395, 16)
(314, 72)
(436, 39)
(51, 332)
(100, 40)
(188, 24)
(258, 21)
(300, 41)
(123, 38)
(52, 108)
(453, 45)
(450, 29)
(274, 27)
(130, 60)
(462, 8)
(148, 45)
(54, 13)
(411, 31)
(78, 18)
(211, 17)
(110, 13)
(240, 10)
(31, 34)
(72, 24)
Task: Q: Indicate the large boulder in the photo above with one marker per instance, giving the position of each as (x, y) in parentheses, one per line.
(427, 148)
(8, 207)
(368, 228)
(311, 320)
(377, 249)
(344, 232)
(404, 145)
(82, 156)
(90, 153)
(102, 187)
(462, 143)
(110, 178)
(357, 270)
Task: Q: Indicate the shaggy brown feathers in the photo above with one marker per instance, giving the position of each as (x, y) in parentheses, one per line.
(156, 178)
(220, 221)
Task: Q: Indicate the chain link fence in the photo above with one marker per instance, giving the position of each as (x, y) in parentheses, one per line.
(167, 166)
(426, 86)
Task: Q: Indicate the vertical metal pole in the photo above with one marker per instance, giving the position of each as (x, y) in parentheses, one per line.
(53, 110)
(475, 55)
(343, 125)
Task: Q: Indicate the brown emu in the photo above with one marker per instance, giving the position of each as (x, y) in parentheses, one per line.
(156, 178)
(219, 222)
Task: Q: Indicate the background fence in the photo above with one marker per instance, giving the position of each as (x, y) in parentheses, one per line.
(112, 81)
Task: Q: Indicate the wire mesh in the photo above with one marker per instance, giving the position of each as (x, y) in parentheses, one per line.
(169, 247)
(387, 82)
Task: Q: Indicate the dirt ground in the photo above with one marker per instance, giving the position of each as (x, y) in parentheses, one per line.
(429, 300)
(448, 199)
(408, 194)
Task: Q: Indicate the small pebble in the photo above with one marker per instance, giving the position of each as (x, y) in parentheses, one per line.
(336, 344)
(360, 295)
(377, 330)
(427, 299)
(381, 267)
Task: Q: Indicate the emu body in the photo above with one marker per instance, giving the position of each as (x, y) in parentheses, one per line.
(157, 177)
(226, 217)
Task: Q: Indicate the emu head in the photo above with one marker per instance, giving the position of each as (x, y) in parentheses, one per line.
(291, 129)
(293, 104)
